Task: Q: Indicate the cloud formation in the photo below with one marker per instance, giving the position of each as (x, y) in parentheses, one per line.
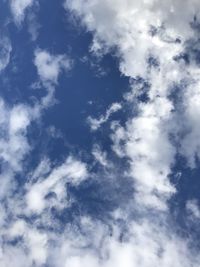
(42, 223)
(26, 195)
(96, 123)
(49, 66)
(151, 40)
(18, 8)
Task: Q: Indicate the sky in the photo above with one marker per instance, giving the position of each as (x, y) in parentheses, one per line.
(99, 133)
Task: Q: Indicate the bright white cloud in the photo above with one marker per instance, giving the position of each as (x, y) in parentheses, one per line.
(150, 150)
(128, 25)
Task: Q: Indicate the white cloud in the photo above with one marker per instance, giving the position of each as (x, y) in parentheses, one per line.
(18, 8)
(33, 239)
(50, 66)
(147, 244)
(71, 171)
(13, 142)
(14, 147)
(145, 141)
(100, 156)
(148, 239)
(96, 123)
(140, 31)
(41, 170)
(127, 25)
(32, 250)
(150, 150)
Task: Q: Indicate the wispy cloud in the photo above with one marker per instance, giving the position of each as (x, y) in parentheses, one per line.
(18, 8)
(5, 52)
(96, 123)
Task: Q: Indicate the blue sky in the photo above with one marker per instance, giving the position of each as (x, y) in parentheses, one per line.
(99, 133)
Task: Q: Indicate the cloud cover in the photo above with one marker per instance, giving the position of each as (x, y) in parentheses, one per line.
(23, 194)
(150, 39)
